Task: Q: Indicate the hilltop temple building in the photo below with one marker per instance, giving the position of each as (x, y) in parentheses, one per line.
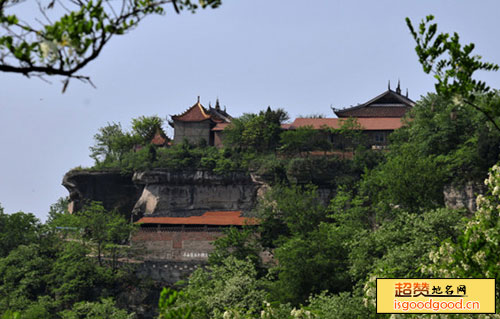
(177, 239)
(378, 118)
(200, 125)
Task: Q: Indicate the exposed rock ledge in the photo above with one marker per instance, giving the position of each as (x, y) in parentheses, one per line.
(191, 193)
(463, 196)
(114, 189)
(162, 192)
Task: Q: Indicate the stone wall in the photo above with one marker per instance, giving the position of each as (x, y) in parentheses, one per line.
(166, 272)
(176, 243)
(194, 132)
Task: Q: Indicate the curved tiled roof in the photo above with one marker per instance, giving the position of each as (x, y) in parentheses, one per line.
(375, 111)
(218, 218)
(159, 139)
(387, 104)
(195, 113)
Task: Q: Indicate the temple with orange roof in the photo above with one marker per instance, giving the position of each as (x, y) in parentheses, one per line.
(390, 104)
(377, 118)
(199, 125)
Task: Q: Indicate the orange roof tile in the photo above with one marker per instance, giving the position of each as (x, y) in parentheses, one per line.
(219, 218)
(220, 126)
(368, 123)
(195, 113)
(159, 139)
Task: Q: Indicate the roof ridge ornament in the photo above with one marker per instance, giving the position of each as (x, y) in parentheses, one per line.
(217, 105)
(389, 85)
(398, 89)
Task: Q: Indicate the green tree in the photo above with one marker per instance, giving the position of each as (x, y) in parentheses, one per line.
(167, 305)
(350, 133)
(289, 211)
(234, 284)
(398, 247)
(145, 127)
(260, 133)
(24, 275)
(105, 308)
(64, 45)
(57, 264)
(343, 305)
(476, 253)
(242, 244)
(441, 144)
(111, 144)
(17, 229)
(104, 230)
(407, 180)
(311, 263)
(454, 65)
(304, 139)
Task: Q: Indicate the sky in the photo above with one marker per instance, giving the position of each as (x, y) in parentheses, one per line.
(298, 55)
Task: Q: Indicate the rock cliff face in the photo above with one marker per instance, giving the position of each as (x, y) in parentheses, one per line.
(463, 196)
(163, 193)
(113, 189)
(179, 194)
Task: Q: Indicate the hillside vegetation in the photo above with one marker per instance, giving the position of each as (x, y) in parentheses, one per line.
(387, 219)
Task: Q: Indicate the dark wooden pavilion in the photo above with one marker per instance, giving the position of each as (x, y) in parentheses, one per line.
(388, 104)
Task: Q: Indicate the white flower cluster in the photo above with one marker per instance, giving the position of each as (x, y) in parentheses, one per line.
(49, 50)
(301, 314)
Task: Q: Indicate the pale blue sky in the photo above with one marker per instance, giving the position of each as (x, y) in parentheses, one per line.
(250, 54)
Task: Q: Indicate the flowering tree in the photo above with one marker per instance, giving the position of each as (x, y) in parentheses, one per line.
(477, 252)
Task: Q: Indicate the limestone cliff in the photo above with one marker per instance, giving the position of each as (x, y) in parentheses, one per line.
(463, 195)
(163, 192)
(191, 193)
(114, 189)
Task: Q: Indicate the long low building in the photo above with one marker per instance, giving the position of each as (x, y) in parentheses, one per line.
(376, 118)
(185, 238)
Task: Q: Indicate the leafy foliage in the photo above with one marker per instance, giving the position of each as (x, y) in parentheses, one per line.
(343, 305)
(167, 307)
(259, 133)
(145, 127)
(453, 66)
(441, 144)
(311, 263)
(234, 284)
(48, 268)
(63, 45)
(303, 140)
(105, 308)
(111, 144)
(241, 244)
(476, 252)
(17, 229)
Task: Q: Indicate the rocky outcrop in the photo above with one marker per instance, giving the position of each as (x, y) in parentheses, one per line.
(463, 196)
(163, 192)
(192, 193)
(115, 190)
